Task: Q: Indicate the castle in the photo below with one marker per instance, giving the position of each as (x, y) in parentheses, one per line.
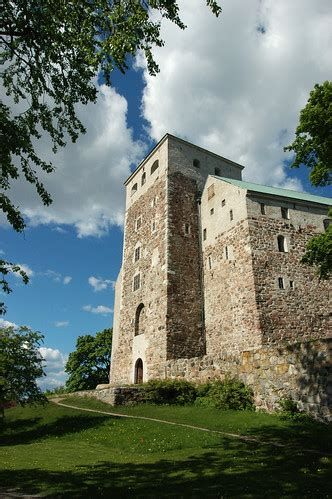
(212, 281)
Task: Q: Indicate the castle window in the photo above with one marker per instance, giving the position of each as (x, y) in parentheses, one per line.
(196, 163)
(284, 213)
(231, 216)
(153, 226)
(263, 210)
(210, 262)
(138, 378)
(217, 172)
(223, 202)
(291, 284)
(137, 253)
(187, 228)
(282, 246)
(281, 283)
(226, 253)
(133, 189)
(154, 202)
(210, 191)
(154, 166)
(138, 223)
(211, 211)
(137, 282)
(204, 234)
(139, 319)
(143, 178)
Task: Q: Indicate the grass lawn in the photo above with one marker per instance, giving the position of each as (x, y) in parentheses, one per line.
(62, 452)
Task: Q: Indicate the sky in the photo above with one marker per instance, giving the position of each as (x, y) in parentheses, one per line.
(233, 85)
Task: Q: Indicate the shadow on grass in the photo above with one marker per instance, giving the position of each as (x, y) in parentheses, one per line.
(238, 469)
(16, 432)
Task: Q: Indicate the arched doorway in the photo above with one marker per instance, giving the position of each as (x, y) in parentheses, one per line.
(138, 372)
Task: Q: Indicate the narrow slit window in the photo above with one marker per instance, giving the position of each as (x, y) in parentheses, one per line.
(211, 211)
(223, 202)
(226, 252)
(143, 180)
(282, 247)
(204, 234)
(137, 282)
(281, 283)
(291, 284)
(153, 226)
(284, 213)
(138, 223)
(263, 210)
(137, 253)
(210, 262)
(187, 228)
(154, 166)
(231, 215)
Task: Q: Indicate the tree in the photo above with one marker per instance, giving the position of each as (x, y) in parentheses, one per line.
(20, 366)
(313, 148)
(313, 137)
(89, 364)
(51, 52)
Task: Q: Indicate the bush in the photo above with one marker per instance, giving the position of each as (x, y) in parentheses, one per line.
(169, 392)
(227, 394)
(290, 410)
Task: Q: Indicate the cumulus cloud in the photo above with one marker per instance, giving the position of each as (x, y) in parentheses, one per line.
(99, 284)
(56, 276)
(87, 186)
(4, 324)
(100, 309)
(67, 279)
(55, 362)
(235, 85)
(61, 323)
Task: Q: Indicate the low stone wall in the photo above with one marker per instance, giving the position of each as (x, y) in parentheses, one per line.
(301, 371)
(126, 395)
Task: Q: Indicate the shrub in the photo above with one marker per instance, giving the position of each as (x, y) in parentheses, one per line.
(290, 410)
(169, 392)
(227, 394)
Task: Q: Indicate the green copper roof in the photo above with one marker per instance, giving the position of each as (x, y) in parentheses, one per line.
(276, 191)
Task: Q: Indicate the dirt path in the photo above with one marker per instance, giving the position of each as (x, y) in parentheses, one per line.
(245, 438)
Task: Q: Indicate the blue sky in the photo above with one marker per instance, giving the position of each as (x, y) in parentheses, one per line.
(227, 85)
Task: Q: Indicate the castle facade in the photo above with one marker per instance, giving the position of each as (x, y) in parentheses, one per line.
(212, 281)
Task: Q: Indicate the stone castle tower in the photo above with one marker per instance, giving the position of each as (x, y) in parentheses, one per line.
(212, 274)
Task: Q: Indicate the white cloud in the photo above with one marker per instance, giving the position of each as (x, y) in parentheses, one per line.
(55, 362)
(4, 324)
(100, 309)
(60, 230)
(235, 85)
(87, 186)
(56, 276)
(29, 272)
(61, 323)
(99, 284)
(67, 279)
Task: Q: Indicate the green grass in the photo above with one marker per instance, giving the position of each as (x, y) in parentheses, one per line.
(61, 452)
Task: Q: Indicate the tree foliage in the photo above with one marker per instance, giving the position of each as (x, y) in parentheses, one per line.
(89, 364)
(313, 147)
(51, 52)
(313, 137)
(20, 366)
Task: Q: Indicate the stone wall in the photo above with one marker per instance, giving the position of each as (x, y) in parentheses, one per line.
(184, 290)
(302, 371)
(120, 395)
(302, 309)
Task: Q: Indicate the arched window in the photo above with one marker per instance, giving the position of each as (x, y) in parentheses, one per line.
(138, 372)
(154, 166)
(139, 319)
(282, 245)
(133, 189)
(196, 163)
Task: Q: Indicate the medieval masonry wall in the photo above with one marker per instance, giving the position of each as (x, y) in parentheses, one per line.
(212, 281)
